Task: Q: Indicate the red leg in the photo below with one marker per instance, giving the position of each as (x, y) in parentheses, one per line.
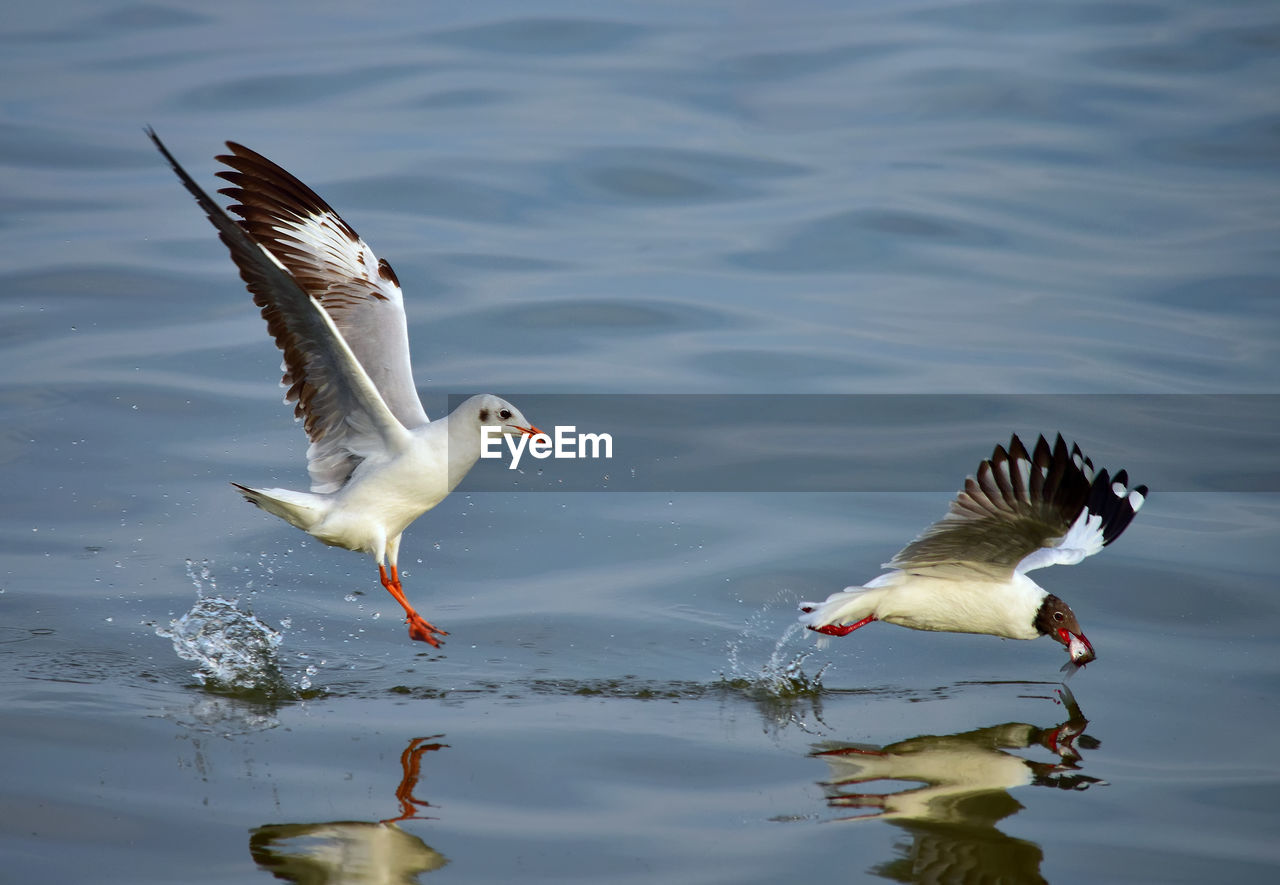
(843, 629)
(419, 627)
(850, 751)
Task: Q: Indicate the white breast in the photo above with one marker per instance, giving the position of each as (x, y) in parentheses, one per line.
(979, 605)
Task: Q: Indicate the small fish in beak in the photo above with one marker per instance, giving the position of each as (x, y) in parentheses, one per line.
(1079, 649)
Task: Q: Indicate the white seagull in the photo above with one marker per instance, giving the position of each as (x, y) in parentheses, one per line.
(336, 312)
(968, 572)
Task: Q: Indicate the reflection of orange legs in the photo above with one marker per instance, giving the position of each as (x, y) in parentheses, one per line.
(851, 751)
(411, 768)
(859, 800)
(836, 798)
(419, 627)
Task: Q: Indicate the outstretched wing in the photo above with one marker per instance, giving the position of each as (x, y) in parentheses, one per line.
(344, 414)
(1026, 511)
(327, 258)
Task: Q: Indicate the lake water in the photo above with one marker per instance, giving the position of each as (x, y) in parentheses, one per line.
(917, 227)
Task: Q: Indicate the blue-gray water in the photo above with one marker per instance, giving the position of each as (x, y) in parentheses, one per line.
(876, 198)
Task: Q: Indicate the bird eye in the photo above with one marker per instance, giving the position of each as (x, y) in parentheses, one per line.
(1057, 616)
(504, 414)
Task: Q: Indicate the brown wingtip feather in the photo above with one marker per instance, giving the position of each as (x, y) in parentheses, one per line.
(266, 176)
(385, 271)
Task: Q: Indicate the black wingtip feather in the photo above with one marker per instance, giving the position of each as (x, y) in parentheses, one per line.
(1071, 483)
(1116, 508)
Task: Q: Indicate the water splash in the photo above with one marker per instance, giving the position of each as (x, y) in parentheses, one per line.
(782, 692)
(782, 672)
(236, 651)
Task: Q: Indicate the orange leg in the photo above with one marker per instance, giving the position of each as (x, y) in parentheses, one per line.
(843, 629)
(419, 627)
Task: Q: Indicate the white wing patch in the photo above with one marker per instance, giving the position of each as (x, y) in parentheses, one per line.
(1082, 540)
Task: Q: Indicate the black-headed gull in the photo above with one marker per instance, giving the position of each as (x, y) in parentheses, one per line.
(968, 572)
(336, 312)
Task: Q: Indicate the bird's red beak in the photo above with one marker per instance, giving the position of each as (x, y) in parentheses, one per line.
(1078, 647)
(527, 431)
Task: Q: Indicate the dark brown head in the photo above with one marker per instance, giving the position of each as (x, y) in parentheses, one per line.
(1056, 619)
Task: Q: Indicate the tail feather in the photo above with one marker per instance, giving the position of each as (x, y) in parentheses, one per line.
(301, 509)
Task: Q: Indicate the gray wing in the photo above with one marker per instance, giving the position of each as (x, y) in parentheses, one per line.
(1025, 511)
(344, 414)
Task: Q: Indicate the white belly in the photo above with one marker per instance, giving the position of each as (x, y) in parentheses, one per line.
(375, 508)
(922, 602)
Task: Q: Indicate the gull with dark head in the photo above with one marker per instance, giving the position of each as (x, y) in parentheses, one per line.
(968, 572)
(336, 312)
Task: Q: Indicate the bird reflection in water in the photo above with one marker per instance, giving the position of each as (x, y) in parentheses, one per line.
(964, 783)
(354, 852)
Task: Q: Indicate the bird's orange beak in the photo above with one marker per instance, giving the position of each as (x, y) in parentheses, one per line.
(527, 431)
